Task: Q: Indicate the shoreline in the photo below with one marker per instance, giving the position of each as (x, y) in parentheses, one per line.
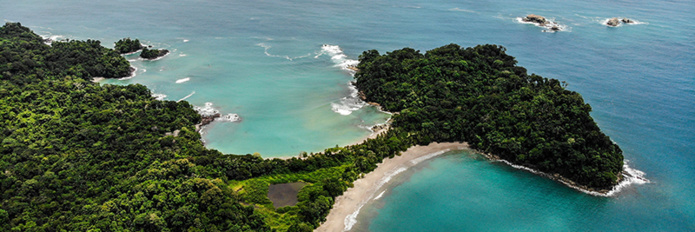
(347, 206)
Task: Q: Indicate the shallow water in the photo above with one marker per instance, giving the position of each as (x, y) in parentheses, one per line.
(264, 60)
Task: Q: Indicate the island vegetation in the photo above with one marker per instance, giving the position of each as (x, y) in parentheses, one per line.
(479, 95)
(127, 45)
(153, 53)
(79, 156)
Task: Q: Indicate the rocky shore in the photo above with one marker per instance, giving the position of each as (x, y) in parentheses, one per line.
(205, 120)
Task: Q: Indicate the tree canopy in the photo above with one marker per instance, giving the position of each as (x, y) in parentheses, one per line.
(78, 156)
(479, 95)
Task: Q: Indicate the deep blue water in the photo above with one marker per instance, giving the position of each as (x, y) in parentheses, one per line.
(264, 60)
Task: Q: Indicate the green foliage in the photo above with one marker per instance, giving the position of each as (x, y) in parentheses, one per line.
(153, 53)
(24, 53)
(77, 156)
(480, 96)
(127, 45)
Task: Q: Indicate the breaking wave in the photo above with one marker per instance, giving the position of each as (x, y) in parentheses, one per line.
(352, 102)
(631, 176)
(159, 96)
(267, 53)
(206, 110)
(338, 57)
(349, 104)
(230, 118)
(187, 96)
(182, 80)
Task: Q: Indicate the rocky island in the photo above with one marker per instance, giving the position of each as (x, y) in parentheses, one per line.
(126, 45)
(541, 22)
(151, 54)
(614, 22)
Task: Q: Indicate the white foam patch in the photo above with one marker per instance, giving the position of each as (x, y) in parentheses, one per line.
(182, 80)
(185, 41)
(159, 96)
(187, 96)
(206, 110)
(349, 104)
(132, 74)
(380, 195)
(429, 156)
(181, 55)
(548, 26)
(462, 10)
(267, 53)
(338, 57)
(630, 177)
(230, 118)
(49, 39)
(351, 219)
(621, 23)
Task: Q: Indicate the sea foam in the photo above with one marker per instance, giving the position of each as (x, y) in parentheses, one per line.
(338, 57)
(187, 96)
(132, 74)
(550, 24)
(346, 105)
(206, 110)
(349, 104)
(182, 80)
(630, 176)
(159, 96)
(267, 53)
(351, 219)
(230, 118)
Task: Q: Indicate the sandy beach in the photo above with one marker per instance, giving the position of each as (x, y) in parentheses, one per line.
(347, 206)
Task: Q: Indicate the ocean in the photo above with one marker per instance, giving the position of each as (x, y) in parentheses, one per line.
(281, 66)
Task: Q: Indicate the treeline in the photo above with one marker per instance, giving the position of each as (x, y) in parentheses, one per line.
(479, 95)
(128, 45)
(77, 156)
(23, 53)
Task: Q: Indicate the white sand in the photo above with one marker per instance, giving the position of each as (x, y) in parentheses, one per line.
(347, 206)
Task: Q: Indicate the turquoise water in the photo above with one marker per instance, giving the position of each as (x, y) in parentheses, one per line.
(265, 61)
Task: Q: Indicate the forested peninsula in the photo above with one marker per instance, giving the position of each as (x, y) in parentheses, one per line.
(77, 156)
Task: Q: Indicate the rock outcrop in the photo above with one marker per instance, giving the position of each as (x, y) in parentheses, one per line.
(627, 21)
(532, 18)
(153, 53)
(613, 22)
(207, 119)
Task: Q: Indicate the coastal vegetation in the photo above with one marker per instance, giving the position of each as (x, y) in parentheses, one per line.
(479, 95)
(79, 156)
(153, 53)
(127, 45)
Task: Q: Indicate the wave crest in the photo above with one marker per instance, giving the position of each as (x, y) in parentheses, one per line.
(182, 80)
(349, 104)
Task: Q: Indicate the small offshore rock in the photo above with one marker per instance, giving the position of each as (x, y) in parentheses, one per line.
(626, 20)
(613, 22)
(535, 19)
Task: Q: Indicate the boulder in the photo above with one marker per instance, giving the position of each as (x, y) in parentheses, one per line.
(626, 20)
(614, 22)
(535, 19)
